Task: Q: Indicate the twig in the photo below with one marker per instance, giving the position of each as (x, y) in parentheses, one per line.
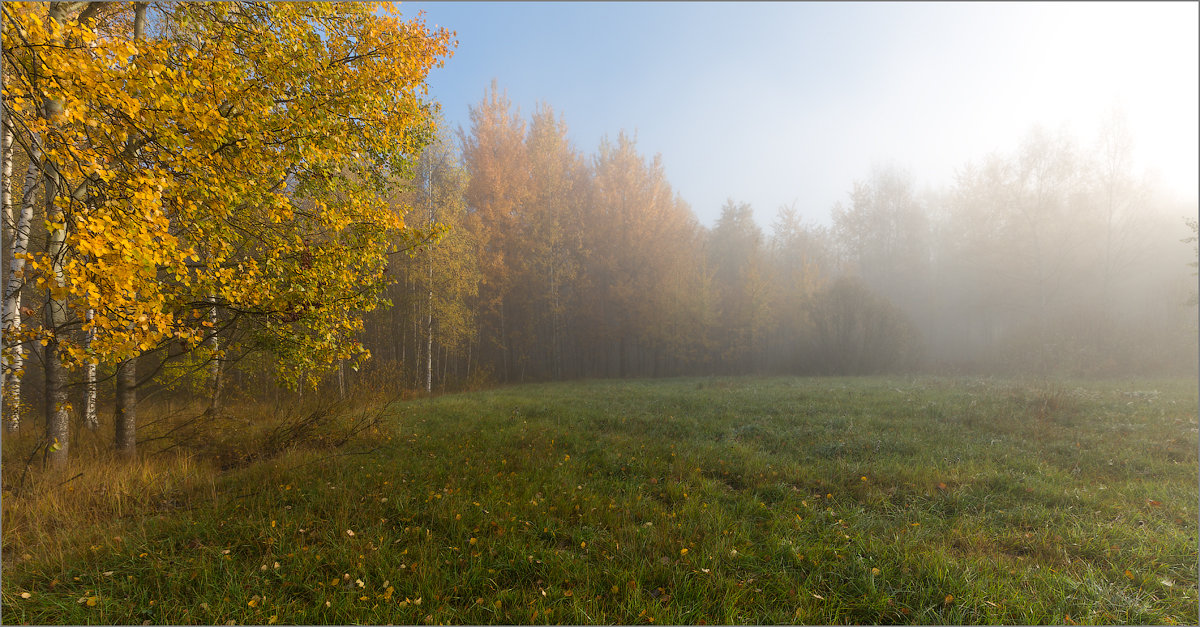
(78, 475)
(28, 462)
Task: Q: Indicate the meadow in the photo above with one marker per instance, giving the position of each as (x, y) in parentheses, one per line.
(680, 501)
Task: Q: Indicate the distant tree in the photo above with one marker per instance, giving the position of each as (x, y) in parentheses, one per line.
(431, 324)
(1120, 198)
(884, 234)
(741, 280)
(497, 164)
(1192, 239)
(858, 332)
(551, 248)
(638, 232)
(800, 262)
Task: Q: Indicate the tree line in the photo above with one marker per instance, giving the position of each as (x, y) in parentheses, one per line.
(1059, 258)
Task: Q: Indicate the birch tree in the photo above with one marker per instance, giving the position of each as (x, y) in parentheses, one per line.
(152, 146)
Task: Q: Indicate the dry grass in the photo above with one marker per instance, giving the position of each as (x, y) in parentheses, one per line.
(51, 513)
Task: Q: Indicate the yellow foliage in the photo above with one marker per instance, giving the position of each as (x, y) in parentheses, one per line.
(250, 165)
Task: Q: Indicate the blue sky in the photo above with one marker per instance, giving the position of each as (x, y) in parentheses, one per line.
(774, 103)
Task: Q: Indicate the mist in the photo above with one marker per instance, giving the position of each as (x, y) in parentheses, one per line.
(1059, 258)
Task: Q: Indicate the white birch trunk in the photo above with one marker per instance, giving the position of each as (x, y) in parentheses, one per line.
(429, 337)
(14, 351)
(214, 367)
(10, 235)
(90, 418)
(6, 159)
(429, 330)
(342, 380)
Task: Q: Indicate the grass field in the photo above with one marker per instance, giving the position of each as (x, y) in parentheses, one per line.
(685, 501)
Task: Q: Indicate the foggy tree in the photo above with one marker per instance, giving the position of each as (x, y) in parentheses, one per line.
(859, 332)
(551, 245)
(1120, 201)
(1192, 239)
(437, 284)
(637, 230)
(800, 263)
(883, 234)
(736, 254)
(494, 154)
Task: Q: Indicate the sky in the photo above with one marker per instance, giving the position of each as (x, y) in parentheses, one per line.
(781, 103)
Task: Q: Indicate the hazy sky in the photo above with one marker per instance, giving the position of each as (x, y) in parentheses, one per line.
(773, 103)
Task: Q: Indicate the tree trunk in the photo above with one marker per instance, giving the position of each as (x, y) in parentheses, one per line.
(90, 418)
(429, 339)
(125, 416)
(215, 366)
(341, 380)
(15, 350)
(6, 159)
(57, 418)
(216, 375)
(8, 230)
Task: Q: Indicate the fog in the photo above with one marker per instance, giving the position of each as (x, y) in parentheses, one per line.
(1060, 257)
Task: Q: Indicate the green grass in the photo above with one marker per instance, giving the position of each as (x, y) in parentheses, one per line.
(685, 501)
